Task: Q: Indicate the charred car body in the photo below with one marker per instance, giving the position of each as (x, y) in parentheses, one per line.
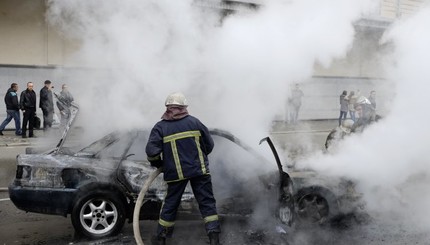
(98, 185)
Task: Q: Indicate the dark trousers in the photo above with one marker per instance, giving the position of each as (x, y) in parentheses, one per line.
(48, 118)
(29, 114)
(202, 189)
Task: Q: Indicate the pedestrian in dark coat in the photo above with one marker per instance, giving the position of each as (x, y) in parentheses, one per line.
(46, 103)
(180, 143)
(27, 103)
(12, 109)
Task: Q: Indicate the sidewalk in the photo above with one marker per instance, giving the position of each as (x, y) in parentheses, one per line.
(322, 125)
(10, 139)
(278, 127)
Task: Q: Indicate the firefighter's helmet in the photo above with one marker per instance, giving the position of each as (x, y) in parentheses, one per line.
(176, 98)
(347, 125)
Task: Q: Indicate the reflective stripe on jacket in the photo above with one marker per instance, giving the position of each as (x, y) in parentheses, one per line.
(184, 145)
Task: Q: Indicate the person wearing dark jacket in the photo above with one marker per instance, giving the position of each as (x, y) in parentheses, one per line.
(27, 103)
(12, 109)
(46, 103)
(180, 145)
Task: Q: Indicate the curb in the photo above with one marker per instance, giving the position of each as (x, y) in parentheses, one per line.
(6, 141)
(300, 131)
(14, 144)
(4, 189)
(18, 144)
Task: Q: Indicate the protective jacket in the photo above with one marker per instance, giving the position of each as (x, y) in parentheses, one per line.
(11, 100)
(180, 147)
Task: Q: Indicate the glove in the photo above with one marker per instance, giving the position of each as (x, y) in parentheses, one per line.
(156, 163)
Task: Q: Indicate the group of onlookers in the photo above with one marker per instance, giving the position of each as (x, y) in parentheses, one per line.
(362, 112)
(27, 104)
(356, 103)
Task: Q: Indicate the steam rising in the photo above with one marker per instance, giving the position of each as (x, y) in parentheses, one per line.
(390, 159)
(236, 73)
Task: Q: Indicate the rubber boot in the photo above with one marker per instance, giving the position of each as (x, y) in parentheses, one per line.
(156, 240)
(214, 238)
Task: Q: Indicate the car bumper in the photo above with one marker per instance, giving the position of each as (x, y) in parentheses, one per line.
(42, 200)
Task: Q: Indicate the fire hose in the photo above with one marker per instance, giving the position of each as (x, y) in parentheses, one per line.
(139, 203)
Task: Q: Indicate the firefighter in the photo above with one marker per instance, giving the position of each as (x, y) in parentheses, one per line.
(339, 133)
(364, 109)
(179, 144)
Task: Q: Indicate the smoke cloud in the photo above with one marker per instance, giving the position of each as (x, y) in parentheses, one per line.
(389, 160)
(236, 73)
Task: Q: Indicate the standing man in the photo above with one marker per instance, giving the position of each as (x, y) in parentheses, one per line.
(352, 99)
(295, 102)
(180, 143)
(12, 109)
(46, 103)
(343, 100)
(27, 103)
(63, 103)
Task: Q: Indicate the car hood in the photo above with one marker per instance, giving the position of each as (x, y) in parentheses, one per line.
(74, 109)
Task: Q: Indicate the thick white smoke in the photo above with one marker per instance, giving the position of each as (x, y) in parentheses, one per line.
(236, 74)
(390, 159)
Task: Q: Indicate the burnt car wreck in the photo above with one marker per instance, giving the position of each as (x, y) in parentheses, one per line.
(98, 185)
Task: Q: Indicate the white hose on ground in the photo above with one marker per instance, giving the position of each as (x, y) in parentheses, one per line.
(139, 203)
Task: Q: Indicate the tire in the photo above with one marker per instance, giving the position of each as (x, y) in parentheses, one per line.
(316, 205)
(98, 214)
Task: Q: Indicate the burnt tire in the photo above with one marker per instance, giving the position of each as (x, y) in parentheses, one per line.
(316, 205)
(98, 214)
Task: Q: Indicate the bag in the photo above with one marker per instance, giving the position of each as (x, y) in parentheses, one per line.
(36, 122)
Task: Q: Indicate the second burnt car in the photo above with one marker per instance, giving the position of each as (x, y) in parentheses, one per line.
(98, 185)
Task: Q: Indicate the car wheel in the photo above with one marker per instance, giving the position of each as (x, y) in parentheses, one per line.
(98, 214)
(316, 206)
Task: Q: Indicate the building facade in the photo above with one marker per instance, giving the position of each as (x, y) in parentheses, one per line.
(33, 50)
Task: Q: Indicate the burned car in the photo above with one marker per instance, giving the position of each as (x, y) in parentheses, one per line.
(98, 185)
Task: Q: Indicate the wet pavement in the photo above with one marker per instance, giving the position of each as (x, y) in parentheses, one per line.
(18, 227)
